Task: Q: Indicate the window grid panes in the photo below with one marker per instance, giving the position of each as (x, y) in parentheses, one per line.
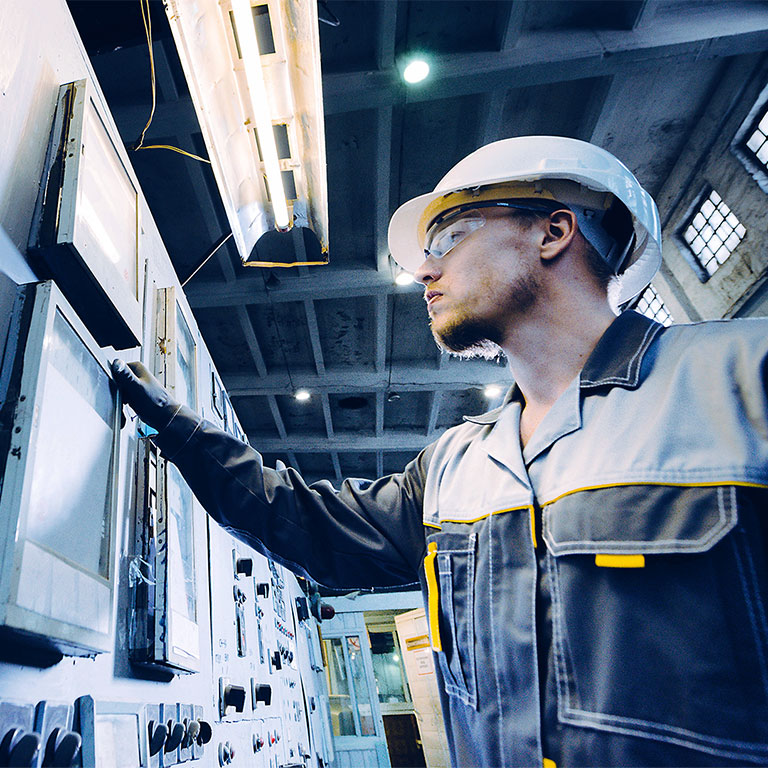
(651, 305)
(712, 233)
(757, 143)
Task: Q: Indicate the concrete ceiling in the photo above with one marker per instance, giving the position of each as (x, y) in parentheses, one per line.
(634, 76)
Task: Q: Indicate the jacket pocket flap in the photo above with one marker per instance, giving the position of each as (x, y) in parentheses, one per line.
(639, 519)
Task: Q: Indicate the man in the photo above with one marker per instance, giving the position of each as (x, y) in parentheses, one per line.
(592, 552)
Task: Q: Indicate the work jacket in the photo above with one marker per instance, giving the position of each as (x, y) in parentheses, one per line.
(596, 598)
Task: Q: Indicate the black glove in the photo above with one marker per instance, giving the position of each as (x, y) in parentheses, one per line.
(144, 393)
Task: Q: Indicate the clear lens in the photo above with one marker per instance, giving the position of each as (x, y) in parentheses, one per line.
(445, 235)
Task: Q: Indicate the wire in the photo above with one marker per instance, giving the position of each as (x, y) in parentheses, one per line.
(223, 239)
(175, 149)
(146, 18)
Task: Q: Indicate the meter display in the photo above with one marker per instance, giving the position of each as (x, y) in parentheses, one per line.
(164, 616)
(59, 460)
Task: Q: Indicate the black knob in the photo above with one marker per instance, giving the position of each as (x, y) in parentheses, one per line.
(205, 734)
(10, 737)
(262, 589)
(175, 735)
(327, 612)
(244, 566)
(157, 735)
(24, 751)
(67, 750)
(234, 696)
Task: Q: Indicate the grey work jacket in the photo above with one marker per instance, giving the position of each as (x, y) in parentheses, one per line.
(598, 598)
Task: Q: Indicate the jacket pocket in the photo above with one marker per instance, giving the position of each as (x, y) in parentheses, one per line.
(659, 627)
(450, 571)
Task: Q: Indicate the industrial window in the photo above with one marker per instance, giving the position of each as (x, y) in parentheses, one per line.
(757, 142)
(652, 305)
(712, 233)
(750, 144)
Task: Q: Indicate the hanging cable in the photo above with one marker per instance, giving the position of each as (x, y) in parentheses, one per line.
(146, 18)
(223, 239)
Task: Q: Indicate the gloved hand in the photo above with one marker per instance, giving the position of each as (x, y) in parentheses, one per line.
(144, 393)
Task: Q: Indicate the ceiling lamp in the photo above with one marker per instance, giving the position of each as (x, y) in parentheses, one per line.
(253, 69)
(415, 71)
(492, 390)
(302, 395)
(404, 278)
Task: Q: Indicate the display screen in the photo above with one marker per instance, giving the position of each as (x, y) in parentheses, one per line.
(185, 362)
(107, 202)
(70, 484)
(182, 592)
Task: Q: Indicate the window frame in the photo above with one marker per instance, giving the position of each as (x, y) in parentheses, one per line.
(756, 169)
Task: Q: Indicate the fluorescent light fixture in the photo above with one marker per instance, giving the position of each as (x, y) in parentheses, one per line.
(302, 395)
(253, 70)
(404, 278)
(416, 71)
(492, 390)
(260, 107)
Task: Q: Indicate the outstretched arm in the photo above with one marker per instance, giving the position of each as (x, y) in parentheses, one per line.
(367, 534)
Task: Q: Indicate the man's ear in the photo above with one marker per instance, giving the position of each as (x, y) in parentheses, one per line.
(559, 232)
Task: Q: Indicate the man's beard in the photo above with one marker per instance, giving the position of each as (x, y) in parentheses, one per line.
(472, 337)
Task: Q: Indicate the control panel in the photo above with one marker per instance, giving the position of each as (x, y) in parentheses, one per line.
(134, 631)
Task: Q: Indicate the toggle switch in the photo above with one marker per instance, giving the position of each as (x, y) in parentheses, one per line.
(258, 743)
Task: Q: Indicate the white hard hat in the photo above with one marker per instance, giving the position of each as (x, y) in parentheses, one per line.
(534, 165)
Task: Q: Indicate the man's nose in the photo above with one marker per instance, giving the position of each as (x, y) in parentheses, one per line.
(428, 272)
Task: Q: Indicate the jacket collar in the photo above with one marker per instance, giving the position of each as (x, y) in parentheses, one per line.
(614, 362)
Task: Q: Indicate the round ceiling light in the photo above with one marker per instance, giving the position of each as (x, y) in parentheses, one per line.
(302, 395)
(404, 278)
(491, 391)
(415, 71)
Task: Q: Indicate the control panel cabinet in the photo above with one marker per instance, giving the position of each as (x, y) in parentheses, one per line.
(134, 631)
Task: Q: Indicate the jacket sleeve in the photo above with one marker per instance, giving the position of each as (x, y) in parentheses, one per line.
(367, 534)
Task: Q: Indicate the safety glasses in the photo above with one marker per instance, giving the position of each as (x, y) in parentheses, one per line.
(448, 230)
